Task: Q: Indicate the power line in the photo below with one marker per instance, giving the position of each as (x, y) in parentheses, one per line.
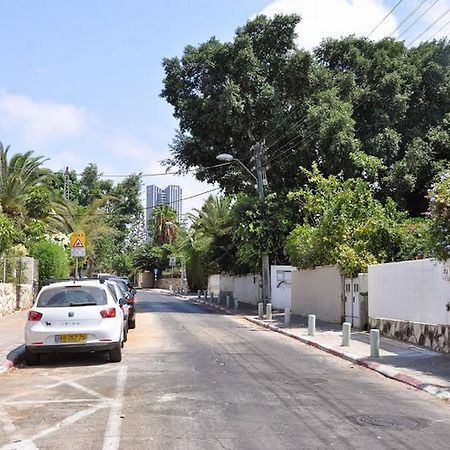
(430, 26)
(384, 18)
(148, 207)
(404, 31)
(408, 16)
(438, 31)
(179, 172)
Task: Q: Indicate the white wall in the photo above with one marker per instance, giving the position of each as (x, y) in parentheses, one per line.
(410, 291)
(281, 286)
(318, 291)
(245, 288)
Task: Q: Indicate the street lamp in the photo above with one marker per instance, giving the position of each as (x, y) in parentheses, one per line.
(260, 188)
(229, 158)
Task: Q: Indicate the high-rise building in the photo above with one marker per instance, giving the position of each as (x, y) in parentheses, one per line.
(171, 196)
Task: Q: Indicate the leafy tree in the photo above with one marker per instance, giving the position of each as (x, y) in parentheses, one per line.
(259, 229)
(344, 225)
(439, 211)
(8, 232)
(227, 96)
(149, 257)
(52, 258)
(92, 187)
(351, 101)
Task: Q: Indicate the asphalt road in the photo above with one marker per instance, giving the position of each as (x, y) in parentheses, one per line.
(191, 379)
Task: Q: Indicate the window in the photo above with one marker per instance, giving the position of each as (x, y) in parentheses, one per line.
(72, 296)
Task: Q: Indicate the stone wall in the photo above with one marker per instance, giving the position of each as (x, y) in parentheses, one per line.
(14, 298)
(435, 337)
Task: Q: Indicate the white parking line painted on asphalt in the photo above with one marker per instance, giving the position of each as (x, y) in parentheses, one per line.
(99, 402)
(113, 429)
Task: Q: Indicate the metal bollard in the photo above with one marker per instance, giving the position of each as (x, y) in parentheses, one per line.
(236, 304)
(311, 325)
(228, 300)
(346, 330)
(206, 295)
(287, 317)
(212, 297)
(199, 293)
(374, 343)
(269, 311)
(260, 310)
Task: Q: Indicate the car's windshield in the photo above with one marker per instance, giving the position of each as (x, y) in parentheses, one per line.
(72, 296)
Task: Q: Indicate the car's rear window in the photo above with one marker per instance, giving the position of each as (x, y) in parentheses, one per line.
(72, 296)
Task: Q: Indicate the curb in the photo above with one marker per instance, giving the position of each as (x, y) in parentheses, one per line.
(13, 358)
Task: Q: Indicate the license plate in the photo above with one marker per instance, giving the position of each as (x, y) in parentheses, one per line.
(67, 338)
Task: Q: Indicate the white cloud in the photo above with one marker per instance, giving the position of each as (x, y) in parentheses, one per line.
(334, 18)
(123, 145)
(39, 121)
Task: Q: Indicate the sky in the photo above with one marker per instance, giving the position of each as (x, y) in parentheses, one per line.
(80, 79)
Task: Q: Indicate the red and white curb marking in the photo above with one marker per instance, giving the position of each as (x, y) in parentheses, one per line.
(14, 358)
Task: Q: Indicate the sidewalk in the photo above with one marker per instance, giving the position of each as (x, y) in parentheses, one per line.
(12, 349)
(416, 366)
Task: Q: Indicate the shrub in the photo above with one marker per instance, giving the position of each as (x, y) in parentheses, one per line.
(52, 258)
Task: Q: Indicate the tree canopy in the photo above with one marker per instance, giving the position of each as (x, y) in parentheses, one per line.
(351, 96)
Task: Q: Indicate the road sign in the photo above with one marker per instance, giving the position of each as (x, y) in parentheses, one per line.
(172, 261)
(78, 245)
(156, 271)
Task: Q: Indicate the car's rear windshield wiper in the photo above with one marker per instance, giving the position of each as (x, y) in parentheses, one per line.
(83, 304)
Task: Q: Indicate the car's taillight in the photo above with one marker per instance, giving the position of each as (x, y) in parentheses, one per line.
(130, 301)
(107, 313)
(34, 316)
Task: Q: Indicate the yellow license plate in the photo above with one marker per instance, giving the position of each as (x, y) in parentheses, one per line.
(65, 338)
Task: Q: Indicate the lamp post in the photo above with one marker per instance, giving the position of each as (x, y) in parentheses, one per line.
(260, 188)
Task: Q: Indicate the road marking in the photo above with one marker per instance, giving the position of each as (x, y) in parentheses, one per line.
(113, 429)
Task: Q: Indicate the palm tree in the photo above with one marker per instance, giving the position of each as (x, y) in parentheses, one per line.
(165, 227)
(18, 177)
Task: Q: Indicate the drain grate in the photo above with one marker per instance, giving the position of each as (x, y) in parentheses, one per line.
(392, 422)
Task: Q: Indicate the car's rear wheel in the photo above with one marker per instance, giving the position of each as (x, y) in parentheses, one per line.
(115, 355)
(32, 359)
(132, 324)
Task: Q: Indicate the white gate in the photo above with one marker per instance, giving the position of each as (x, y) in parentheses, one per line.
(352, 304)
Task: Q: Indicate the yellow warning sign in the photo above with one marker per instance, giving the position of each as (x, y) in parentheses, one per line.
(78, 240)
(78, 245)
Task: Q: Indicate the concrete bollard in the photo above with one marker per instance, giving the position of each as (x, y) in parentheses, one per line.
(311, 325)
(269, 311)
(236, 304)
(374, 343)
(260, 310)
(287, 317)
(199, 293)
(228, 300)
(346, 330)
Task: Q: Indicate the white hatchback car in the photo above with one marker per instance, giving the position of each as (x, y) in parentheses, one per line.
(71, 316)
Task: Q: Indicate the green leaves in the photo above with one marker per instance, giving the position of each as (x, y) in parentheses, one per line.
(344, 226)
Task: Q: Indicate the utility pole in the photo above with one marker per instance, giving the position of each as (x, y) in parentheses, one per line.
(66, 193)
(260, 156)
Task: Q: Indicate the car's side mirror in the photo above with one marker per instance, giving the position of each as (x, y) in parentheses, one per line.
(122, 302)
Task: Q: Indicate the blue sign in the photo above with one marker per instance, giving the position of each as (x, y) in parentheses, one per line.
(155, 271)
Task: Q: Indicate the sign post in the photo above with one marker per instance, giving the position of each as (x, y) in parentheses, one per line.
(77, 248)
(172, 263)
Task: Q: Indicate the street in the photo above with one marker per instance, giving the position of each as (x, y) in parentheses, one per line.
(193, 379)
